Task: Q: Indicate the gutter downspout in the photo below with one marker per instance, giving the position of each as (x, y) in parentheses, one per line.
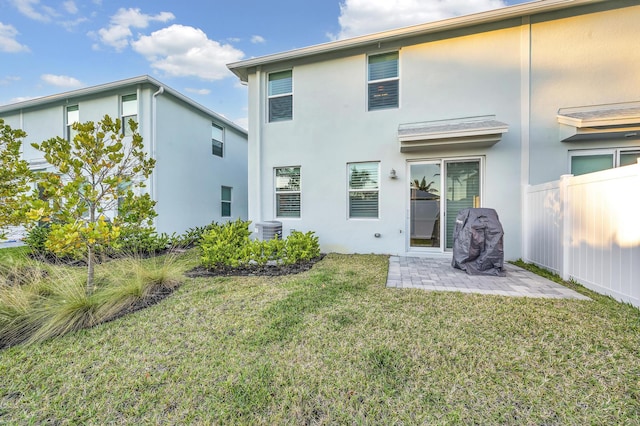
(258, 133)
(152, 145)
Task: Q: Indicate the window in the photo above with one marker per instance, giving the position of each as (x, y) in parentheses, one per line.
(281, 96)
(589, 161)
(217, 140)
(129, 112)
(225, 198)
(73, 116)
(287, 191)
(123, 190)
(383, 81)
(363, 190)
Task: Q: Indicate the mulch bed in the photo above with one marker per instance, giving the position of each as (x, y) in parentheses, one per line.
(254, 270)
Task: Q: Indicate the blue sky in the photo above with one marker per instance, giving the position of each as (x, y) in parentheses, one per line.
(54, 46)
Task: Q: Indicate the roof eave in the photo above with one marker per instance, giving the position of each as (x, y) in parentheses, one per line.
(240, 68)
(92, 90)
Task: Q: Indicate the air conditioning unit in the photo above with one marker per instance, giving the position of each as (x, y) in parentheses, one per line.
(269, 229)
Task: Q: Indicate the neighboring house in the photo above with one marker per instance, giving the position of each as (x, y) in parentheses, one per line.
(201, 157)
(376, 142)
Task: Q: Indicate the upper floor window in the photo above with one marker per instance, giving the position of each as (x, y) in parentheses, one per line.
(383, 81)
(217, 140)
(363, 189)
(280, 96)
(73, 116)
(287, 191)
(129, 112)
(595, 160)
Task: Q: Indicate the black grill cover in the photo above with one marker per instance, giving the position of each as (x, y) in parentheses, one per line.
(478, 242)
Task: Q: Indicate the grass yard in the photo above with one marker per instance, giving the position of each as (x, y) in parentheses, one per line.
(334, 346)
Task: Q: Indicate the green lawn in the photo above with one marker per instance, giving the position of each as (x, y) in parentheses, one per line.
(334, 346)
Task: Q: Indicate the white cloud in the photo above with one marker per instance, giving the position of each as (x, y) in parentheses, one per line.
(70, 7)
(118, 35)
(183, 51)
(61, 81)
(198, 91)
(9, 79)
(257, 39)
(359, 17)
(8, 42)
(34, 10)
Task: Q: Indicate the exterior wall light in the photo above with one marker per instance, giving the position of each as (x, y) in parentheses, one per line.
(392, 174)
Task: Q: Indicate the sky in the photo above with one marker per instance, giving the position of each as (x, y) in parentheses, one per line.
(55, 46)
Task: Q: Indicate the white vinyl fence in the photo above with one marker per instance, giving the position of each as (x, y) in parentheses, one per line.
(587, 228)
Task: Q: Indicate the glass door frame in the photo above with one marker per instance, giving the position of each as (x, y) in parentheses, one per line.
(443, 162)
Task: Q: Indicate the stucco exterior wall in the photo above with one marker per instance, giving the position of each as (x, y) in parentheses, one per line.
(471, 75)
(189, 177)
(586, 59)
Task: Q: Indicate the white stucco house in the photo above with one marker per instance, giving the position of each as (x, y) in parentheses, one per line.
(201, 157)
(376, 142)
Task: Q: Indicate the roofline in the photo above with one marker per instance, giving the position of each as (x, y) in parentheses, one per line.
(240, 68)
(92, 90)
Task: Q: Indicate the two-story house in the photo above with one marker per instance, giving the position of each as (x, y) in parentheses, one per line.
(201, 157)
(376, 142)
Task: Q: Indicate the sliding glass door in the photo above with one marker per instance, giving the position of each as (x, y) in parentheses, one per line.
(438, 190)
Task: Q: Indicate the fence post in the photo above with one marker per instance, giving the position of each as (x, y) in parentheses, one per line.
(565, 227)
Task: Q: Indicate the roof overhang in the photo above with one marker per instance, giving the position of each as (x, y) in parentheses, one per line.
(243, 68)
(612, 121)
(94, 90)
(468, 132)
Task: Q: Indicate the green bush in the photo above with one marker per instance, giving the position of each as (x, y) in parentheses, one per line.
(192, 236)
(228, 246)
(141, 240)
(300, 247)
(225, 245)
(37, 237)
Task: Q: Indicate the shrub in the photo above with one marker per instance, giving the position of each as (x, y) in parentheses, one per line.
(36, 238)
(141, 240)
(225, 245)
(192, 236)
(300, 247)
(229, 246)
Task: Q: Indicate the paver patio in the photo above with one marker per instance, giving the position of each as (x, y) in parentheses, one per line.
(438, 274)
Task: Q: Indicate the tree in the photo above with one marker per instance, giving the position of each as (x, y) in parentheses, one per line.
(14, 177)
(99, 174)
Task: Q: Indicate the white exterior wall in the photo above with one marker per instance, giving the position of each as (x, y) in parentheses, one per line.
(588, 59)
(332, 127)
(189, 176)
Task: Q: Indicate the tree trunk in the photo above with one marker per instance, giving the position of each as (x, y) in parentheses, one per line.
(90, 255)
(90, 269)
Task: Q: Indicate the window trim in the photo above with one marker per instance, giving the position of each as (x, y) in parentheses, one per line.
(68, 124)
(276, 192)
(221, 141)
(280, 95)
(614, 152)
(381, 80)
(350, 191)
(226, 202)
(125, 118)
